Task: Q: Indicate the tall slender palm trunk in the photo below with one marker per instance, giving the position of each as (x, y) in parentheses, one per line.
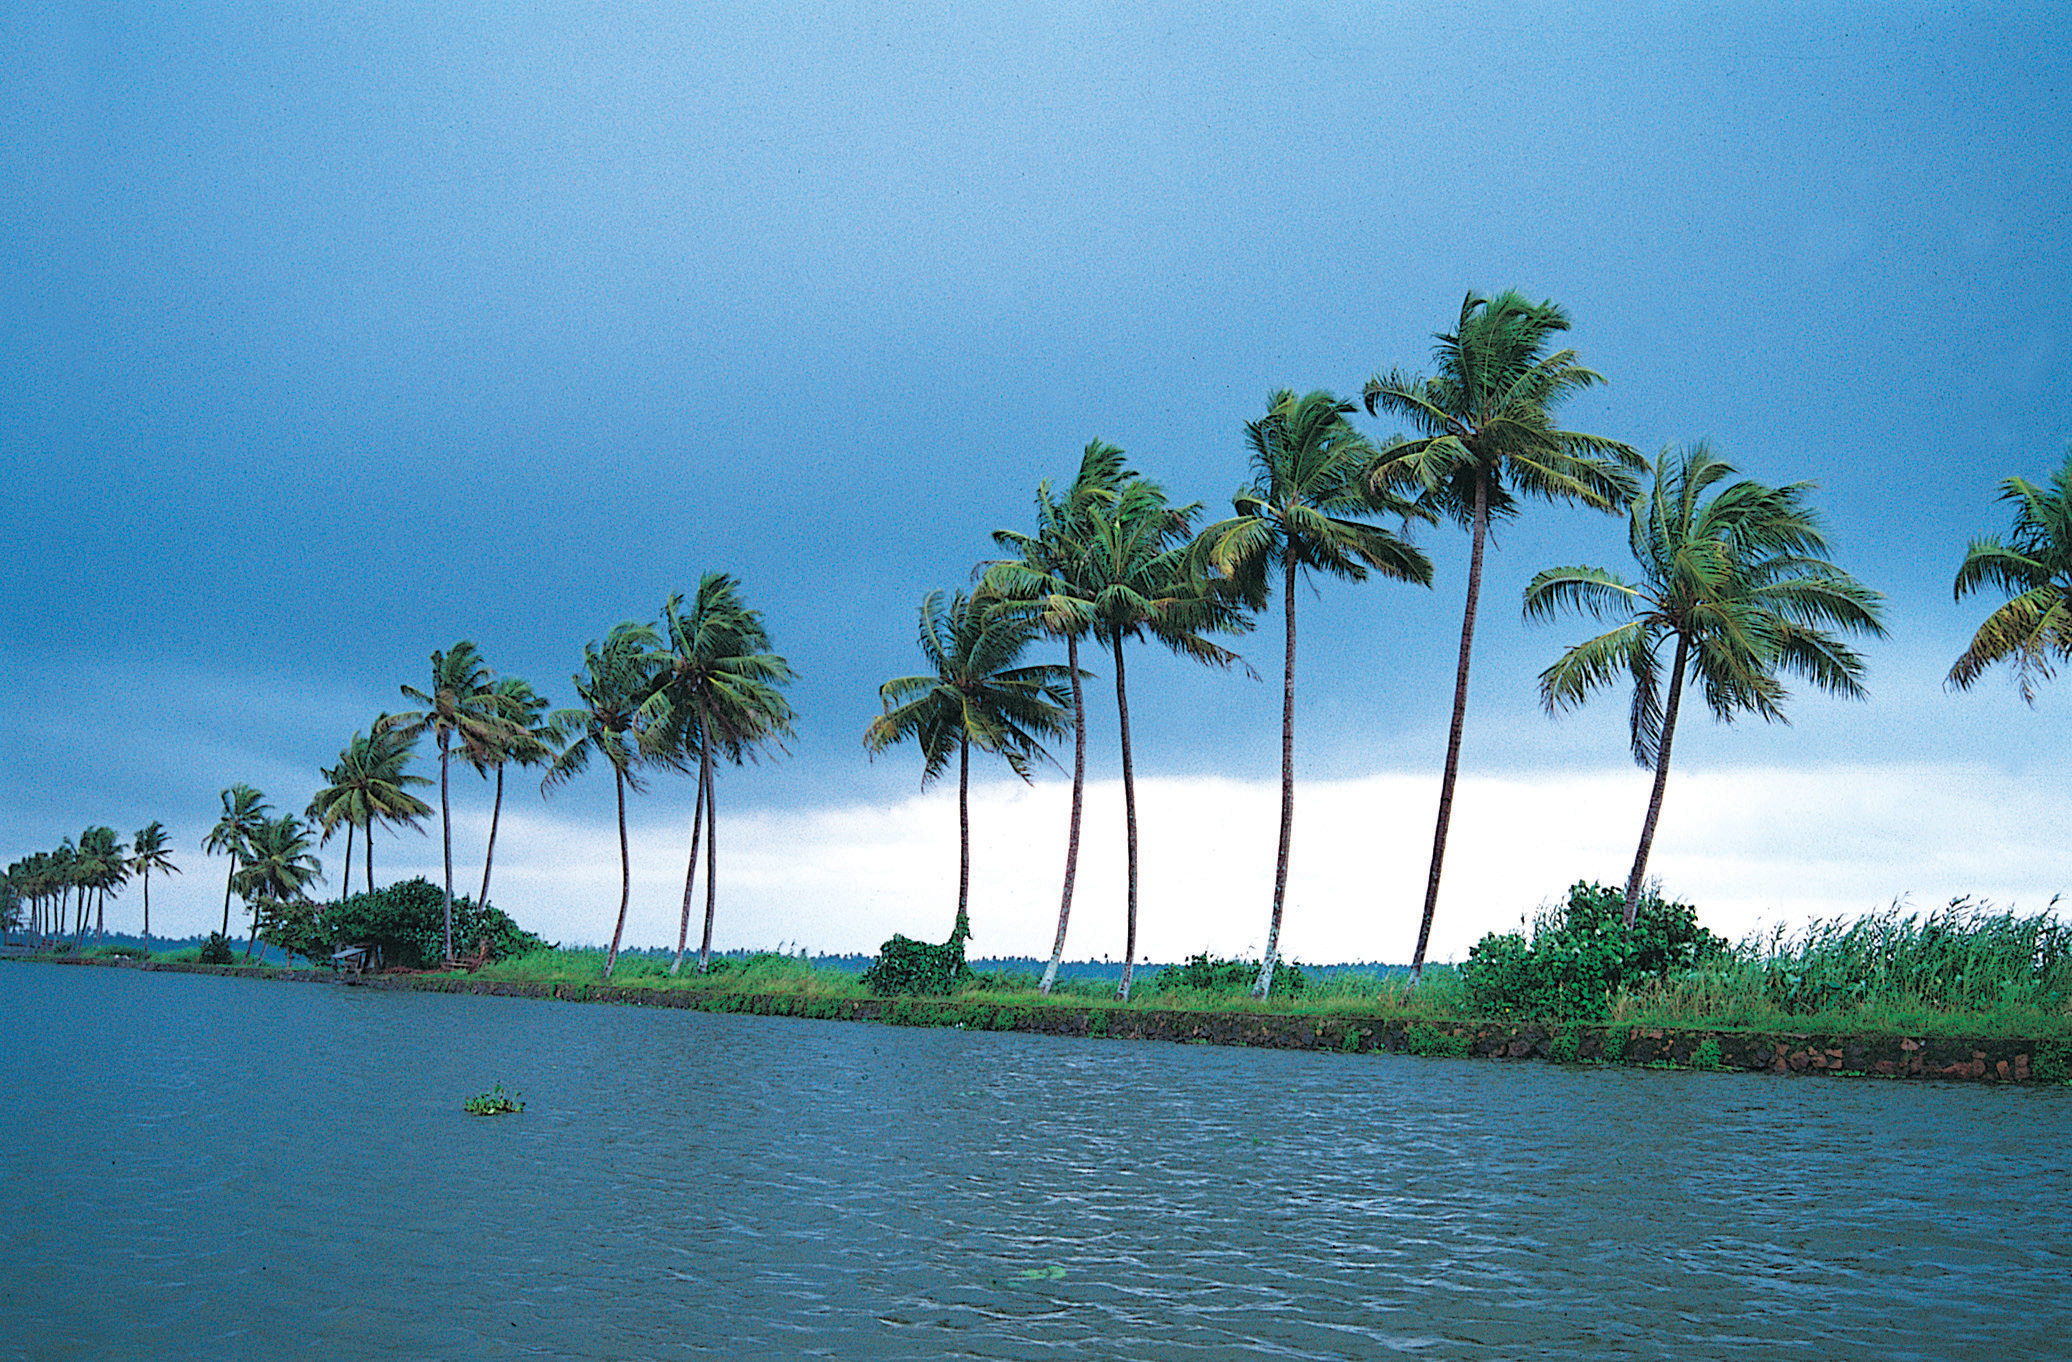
(963, 834)
(1460, 717)
(1057, 947)
(1129, 818)
(446, 836)
(370, 855)
(711, 853)
(496, 813)
(1647, 828)
(228, 880)
(345, 887)
(690, 874)
(611, 957)
(1264, 985)
(147, 908)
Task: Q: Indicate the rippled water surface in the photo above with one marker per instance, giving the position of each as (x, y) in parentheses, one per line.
(202, 1167)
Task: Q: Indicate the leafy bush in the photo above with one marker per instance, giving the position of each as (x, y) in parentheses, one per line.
(1581, 955)
(1206, 973)
(216, 950)
(405, 921)
(905, 965)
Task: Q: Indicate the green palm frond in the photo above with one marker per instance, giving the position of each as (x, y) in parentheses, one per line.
(2032, 631)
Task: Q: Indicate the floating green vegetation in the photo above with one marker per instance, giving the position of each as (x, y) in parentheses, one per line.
(495, 1102)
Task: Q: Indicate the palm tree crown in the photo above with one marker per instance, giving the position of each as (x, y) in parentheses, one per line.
(2034, 567)
(370, 784)
(1739, 582)
(151, 850)
(244, 808)
(1304, 512)
(1485, 433)
(974, 695)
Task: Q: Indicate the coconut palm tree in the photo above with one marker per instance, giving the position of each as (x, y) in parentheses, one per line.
(719, 690)
(523, 740)
(1303, 513)
(1138, 559)
(458, 707)
(614, 680)
(103, 866)
(151, 851)
(1050, 576)
(244, 808)
(1738, 581)
(2034, 568)
(1485, 434)
(973, 696)
(369, 785)
(278, 868)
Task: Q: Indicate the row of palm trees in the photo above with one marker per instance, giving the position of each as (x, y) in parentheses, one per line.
(1735, 591)
(80, 874)
(1736, 588)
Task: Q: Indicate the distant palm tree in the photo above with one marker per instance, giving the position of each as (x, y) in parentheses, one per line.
(718, 691)
(457, 708)
(244, 808)
(524, 741)
(973, 696)
(1051, 577)
(278, 868)
(1742, 585)
(101, 866)
(614, 680)
(151, 851)
(2034, 568)
(1138, 560)
(369, 785)
(1302, 513)
(1485, 431)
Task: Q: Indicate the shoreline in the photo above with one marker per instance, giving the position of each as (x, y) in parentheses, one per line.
(1777, 1052)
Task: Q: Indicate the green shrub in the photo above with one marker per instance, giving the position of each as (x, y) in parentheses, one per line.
(1707, 1055)
(1206, 973)
(405, 921)
(216, 950)
(1565, 1047)
(1422, 1039)
(907, 966)
(1581, 955)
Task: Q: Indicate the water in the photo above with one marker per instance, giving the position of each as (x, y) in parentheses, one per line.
(216, 1168)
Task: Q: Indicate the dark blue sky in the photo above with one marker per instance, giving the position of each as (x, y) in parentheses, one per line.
(334, 334)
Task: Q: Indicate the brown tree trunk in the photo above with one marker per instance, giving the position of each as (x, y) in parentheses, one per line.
(1264, 986)
(1057, 948)
(370, 855)
(690, 874)
(446, 835)
(963, 832)
(345, 888)
(711, 849)
(147, 909)
(1129, 817)
(1460, 716)
(496, 814)
(1647, 828)
(611, 957)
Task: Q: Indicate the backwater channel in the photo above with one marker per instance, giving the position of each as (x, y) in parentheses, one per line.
(199, 1167)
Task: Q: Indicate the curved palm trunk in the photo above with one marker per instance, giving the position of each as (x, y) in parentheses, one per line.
(1280, 868)
(100, 915)
(370, 855)
(228, 880)
(1460, 716)
(345, 887)
(1647, 829)
(496, 813)
(147, 908)
(711, 854)
(1057, 947)
(690, 874)
(963, 924)
(446, 835)
(1129, 818)
(611, 957)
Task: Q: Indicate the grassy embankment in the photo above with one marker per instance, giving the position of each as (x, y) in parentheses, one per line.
(1976, 975)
